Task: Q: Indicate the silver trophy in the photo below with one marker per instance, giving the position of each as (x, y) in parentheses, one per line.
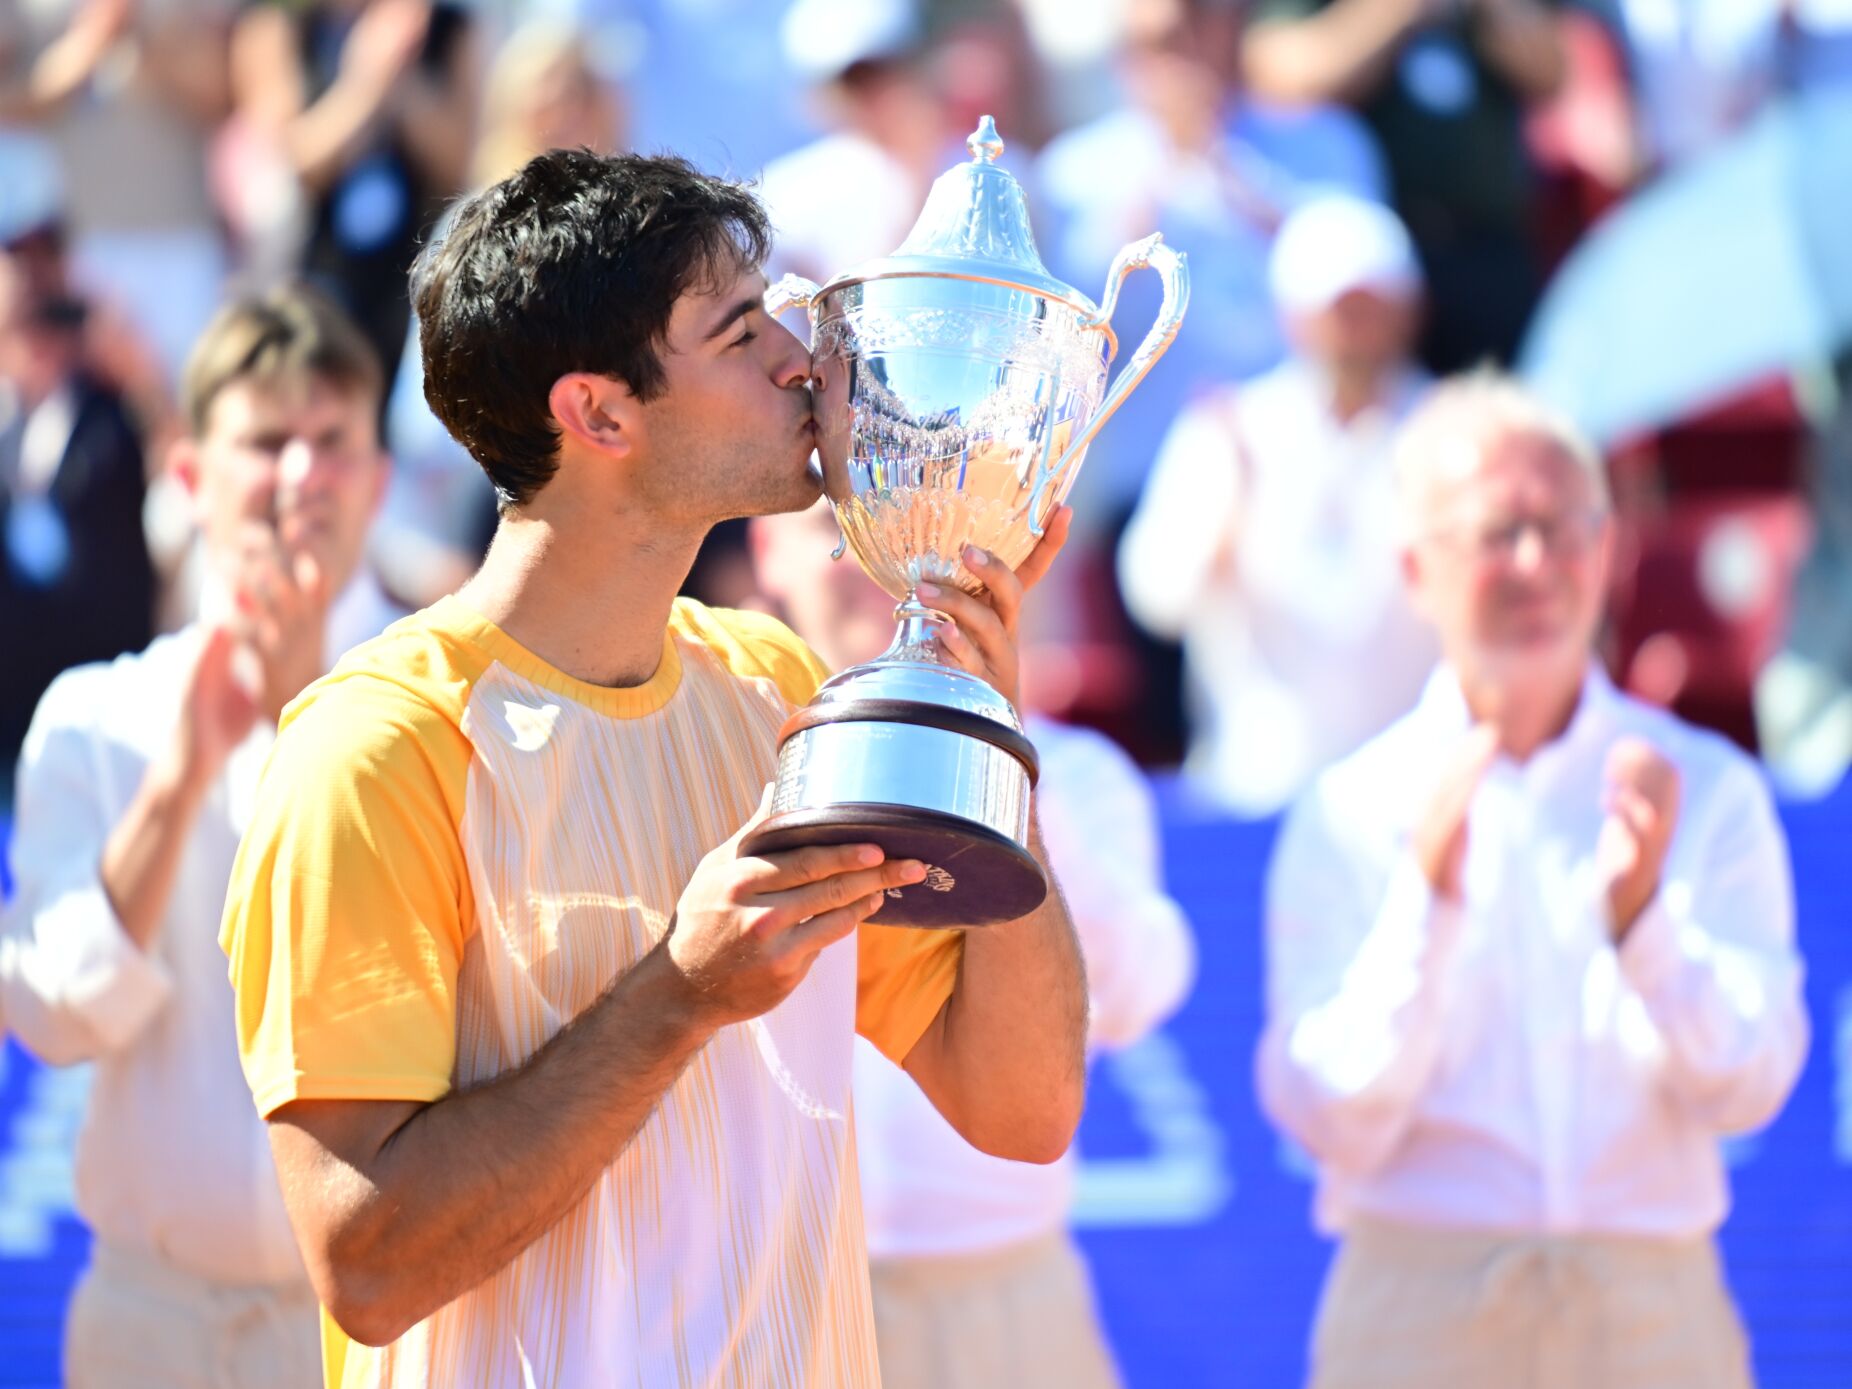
(957, 386)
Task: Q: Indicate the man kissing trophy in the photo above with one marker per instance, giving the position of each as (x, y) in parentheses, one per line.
(957, 386)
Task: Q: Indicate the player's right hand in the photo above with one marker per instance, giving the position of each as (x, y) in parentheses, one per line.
(747, 928)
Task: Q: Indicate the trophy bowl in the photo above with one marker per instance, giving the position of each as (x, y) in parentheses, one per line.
(956, 386)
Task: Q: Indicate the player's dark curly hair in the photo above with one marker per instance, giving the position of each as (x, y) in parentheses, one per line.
(572, 264)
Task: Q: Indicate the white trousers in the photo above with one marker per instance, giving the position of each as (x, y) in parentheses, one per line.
(1407, 1308)
(137, 1324)
(1014, 1318)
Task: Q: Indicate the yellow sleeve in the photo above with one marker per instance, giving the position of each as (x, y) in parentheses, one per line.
(349, 904)
(903, 977)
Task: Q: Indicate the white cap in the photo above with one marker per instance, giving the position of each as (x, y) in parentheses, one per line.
(31, 189)
(825, 38)
(1336, 243)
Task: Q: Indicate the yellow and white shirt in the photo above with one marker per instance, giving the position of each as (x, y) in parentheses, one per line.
(456, 849)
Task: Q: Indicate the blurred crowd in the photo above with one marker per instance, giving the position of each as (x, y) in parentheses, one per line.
(1370, 191)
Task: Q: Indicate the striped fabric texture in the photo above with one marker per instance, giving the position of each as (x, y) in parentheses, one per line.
(531, 835)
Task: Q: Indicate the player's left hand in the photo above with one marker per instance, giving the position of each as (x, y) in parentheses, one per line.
(1642, 812)
(981, 636)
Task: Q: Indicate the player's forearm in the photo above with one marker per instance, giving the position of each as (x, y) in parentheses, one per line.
(458, 1191)
(1005, 1061)
(142, 856)
(1333, 56)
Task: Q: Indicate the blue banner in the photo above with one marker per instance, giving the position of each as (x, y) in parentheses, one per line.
(1193, 1213)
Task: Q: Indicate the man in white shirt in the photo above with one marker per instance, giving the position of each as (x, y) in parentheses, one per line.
(1530, 955)
(1263, 539)
(977, 1283)
(136, 780)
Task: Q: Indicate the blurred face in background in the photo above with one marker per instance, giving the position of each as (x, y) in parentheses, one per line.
(1178, 61)
(38, 256)
(41, 336)
(985, 64)
(297, 453)
(36, 356)
(542, 93)
(886, 99)
(1510, 558)
(1364, 332)
(566, 106)
(837, 609)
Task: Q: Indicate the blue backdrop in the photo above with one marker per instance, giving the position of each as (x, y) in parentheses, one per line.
(1194, 1216)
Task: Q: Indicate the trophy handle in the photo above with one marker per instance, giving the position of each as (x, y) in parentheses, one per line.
(1174, 270)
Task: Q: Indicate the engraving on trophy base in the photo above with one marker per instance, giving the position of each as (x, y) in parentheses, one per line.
(937, 880)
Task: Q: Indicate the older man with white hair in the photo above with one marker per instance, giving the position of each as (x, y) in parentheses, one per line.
(1530, 956)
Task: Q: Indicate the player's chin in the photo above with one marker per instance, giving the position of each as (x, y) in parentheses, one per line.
(776, 484)
(799, 494)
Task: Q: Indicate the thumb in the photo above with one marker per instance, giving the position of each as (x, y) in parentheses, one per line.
(310, 577)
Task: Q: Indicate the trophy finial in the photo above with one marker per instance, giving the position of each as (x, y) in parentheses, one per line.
(985, 144)
(976, 211)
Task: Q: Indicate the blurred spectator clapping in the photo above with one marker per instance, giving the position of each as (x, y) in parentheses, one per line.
(1264, 539)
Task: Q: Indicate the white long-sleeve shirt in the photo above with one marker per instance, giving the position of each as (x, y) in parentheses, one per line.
(925, 1191)
(1263, 541)
(172, 1161)
(1498, 1063)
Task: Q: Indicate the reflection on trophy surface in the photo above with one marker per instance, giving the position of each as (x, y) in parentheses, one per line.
(957, 385)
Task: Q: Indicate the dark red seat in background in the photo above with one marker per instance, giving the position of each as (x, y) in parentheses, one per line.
(1714, 522)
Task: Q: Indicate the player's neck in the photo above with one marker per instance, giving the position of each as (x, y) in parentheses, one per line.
(594, 606)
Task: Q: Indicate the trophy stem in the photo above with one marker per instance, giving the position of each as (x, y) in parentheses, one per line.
(913, 640)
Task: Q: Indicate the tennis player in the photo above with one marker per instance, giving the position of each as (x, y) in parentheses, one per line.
(557, 1079)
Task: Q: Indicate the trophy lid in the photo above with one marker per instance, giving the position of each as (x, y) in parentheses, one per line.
(974, 226)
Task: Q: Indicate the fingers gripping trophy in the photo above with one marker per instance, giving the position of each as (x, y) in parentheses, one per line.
(957, 385)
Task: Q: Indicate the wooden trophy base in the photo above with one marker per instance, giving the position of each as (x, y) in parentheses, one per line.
(974, 876)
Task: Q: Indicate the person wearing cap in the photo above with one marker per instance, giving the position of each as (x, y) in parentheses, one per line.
(137, 779)
(1262, 539)
(850, 195)
(1530, 958)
